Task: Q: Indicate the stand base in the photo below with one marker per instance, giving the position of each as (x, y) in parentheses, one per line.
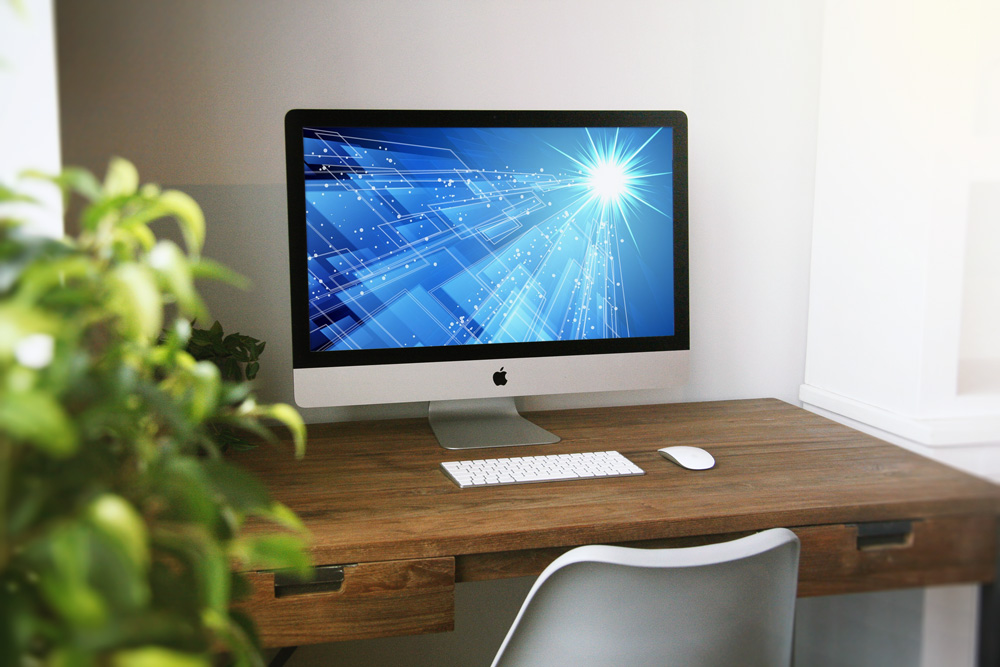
(476, 424)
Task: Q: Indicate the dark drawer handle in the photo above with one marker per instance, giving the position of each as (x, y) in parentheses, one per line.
(326, 579)
(885, 534)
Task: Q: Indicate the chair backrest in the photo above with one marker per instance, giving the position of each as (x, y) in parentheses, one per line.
(731, 603)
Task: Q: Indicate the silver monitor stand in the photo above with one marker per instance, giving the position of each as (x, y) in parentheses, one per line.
(479, 423)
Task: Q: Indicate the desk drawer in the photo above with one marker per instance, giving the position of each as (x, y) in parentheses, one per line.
(835, 558)
(853, 558)
(374, 600)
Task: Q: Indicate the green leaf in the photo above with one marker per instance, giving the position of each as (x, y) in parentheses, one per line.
(247, 628)
(9, 195)
(20, 320)
(280, 551)
(121, 179)
(20, 249)
(175, 338)
(133, 230)
(288, 416)
(292, 420)
(202, 553)
(239, 488)
(189, 217)
(17, 623)
(283, 516)
(121, 582)
(231, 370)
(104, 212)
(136, 299)
(26, 503)
(234, 393)
(166, 410)
(203, 267)
(70, 180)
(184, 485)
(202, 390)
(63, 577)
(175, 589)
(80, 181)
(36, 417)
(248, 424)
(171, 265)
(117, 519)
(157, 656)
(242, 648)
(46, 275)
(77, 180)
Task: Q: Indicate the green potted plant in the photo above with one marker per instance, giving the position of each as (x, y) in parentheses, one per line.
(121, 525)
(237, 357)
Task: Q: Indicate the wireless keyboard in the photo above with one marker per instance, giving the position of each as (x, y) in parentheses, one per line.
(550, 468)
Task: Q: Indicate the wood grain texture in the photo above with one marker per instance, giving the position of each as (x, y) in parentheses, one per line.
(377, 600)
(373, 491)
(942, 550)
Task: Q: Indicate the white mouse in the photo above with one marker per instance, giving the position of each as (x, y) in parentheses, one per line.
(692, 458)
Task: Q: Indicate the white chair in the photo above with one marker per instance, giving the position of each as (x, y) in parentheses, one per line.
(721, 604)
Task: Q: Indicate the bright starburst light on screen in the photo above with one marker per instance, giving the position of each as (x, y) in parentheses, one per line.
(609, 180)
(614, 177)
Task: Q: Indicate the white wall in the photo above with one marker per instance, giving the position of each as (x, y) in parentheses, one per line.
(29, 113)
(194, 92)
(904, 272)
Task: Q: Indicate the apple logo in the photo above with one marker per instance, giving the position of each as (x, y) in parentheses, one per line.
(500, 377)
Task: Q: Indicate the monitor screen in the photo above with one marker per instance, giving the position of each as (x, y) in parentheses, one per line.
(428, 240)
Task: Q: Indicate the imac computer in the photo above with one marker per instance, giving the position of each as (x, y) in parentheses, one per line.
(465, 258)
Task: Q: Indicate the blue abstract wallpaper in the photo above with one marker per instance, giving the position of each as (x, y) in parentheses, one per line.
(437, 236)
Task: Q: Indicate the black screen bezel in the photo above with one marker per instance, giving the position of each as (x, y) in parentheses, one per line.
(297, 119)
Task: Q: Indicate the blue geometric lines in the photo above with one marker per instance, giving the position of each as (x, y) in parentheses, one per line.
(454, 236)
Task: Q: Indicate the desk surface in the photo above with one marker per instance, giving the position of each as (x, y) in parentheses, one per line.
(375, 500)
(374, 491)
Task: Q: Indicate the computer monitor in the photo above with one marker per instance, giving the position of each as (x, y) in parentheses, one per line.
(465, 258)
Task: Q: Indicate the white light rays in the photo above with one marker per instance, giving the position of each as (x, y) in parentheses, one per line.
(614, 179)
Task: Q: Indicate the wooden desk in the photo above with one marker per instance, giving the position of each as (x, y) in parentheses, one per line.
(870, 516)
